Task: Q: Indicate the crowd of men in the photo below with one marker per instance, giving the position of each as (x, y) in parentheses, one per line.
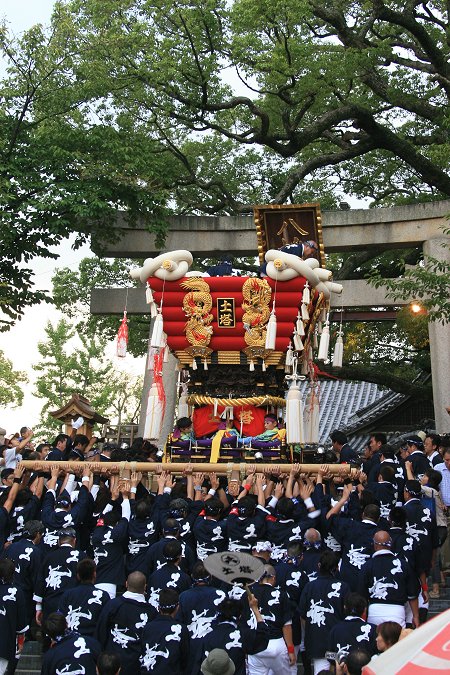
(111, 573)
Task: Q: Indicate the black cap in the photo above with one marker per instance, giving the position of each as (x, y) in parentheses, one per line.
(413, 487)
(414, 440)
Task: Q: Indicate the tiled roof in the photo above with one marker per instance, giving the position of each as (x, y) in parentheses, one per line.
(340, 400)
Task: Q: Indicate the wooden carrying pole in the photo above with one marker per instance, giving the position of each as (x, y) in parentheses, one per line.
(179, 467)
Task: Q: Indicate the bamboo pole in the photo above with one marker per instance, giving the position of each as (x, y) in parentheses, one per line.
(179, 467)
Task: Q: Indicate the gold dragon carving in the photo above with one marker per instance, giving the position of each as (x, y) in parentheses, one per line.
(256, 305)
(197, 306)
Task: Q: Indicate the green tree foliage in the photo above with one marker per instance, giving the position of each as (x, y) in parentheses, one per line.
(210, 106)
(72, 361)
(428, 283)
(355, 92)
(11, 381)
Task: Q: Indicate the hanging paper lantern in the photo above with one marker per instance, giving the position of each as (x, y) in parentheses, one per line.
(324, 343)
(122, 338)
(294, 415)
(157, 339)
(338, 352)
(271, 334)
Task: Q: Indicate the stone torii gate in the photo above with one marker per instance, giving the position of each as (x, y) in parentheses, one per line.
(343, 231)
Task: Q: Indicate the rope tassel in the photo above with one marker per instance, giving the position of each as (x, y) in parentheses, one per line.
(324, 343)
(306, 297)
(157, 339)
(299, 327)
(271, 334)
(338, 352)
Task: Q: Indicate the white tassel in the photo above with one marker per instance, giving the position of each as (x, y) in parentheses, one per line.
(338, 352)
(324, 343)
(263, 366)
(294, 415)
(252, 366)
(153, 310)
(194, 364)
(289, 355)
(148, 295)
(271, 334)
(298, 344)
(305, 313)
(299, 326)
(154, 414)
(306, 296)
(205, 364)
(315, 340)
(157, 339)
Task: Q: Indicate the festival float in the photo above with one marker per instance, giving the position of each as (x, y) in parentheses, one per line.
(243, 344)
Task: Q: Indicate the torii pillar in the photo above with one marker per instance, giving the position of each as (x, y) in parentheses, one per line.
(439, 334)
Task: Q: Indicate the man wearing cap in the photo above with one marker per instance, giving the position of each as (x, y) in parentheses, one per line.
(388, 583)
(122, 622)
(57, 574)
(165, 641)
(416, 456)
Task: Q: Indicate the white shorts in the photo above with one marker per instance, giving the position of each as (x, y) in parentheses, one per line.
(111, 589)
(379, 613)
(274, 658)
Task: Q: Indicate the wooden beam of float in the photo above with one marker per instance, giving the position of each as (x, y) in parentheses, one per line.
(179, 467)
